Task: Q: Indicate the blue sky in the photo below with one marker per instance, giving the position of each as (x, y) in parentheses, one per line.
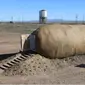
(27, 10)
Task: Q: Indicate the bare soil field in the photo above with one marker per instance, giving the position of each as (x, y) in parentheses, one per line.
(10, 35)
(37, 69)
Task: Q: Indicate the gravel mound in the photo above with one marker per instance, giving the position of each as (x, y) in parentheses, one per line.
(39, 65)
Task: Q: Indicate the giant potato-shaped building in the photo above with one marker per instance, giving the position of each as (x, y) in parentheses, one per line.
(59, 41)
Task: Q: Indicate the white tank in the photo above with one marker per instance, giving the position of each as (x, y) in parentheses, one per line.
(43, 13)
(42, 16)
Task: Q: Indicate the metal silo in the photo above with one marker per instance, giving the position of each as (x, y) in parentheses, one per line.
(43, 16)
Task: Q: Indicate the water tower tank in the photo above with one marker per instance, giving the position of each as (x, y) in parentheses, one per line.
(43, 16)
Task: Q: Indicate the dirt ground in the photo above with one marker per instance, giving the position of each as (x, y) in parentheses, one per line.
(64, 71)
(9, 42)
(69, 75)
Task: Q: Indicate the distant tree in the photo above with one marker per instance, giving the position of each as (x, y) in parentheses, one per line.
(11, 22)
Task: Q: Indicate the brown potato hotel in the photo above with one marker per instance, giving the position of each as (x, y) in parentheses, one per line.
(59, 41)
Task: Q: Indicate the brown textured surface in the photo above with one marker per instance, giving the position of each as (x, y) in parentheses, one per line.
(58, 41)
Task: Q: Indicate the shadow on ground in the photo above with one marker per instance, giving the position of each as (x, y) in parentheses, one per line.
(5, 56)
(81, 66)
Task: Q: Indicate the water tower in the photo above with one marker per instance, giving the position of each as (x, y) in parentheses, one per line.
(42, 16)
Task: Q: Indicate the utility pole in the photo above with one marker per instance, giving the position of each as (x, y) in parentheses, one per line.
(11, 20)
(22, 19)
(76, 19)
(61, 19)
(83, 19)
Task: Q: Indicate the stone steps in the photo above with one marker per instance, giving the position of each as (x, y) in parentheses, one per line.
(16, 60)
